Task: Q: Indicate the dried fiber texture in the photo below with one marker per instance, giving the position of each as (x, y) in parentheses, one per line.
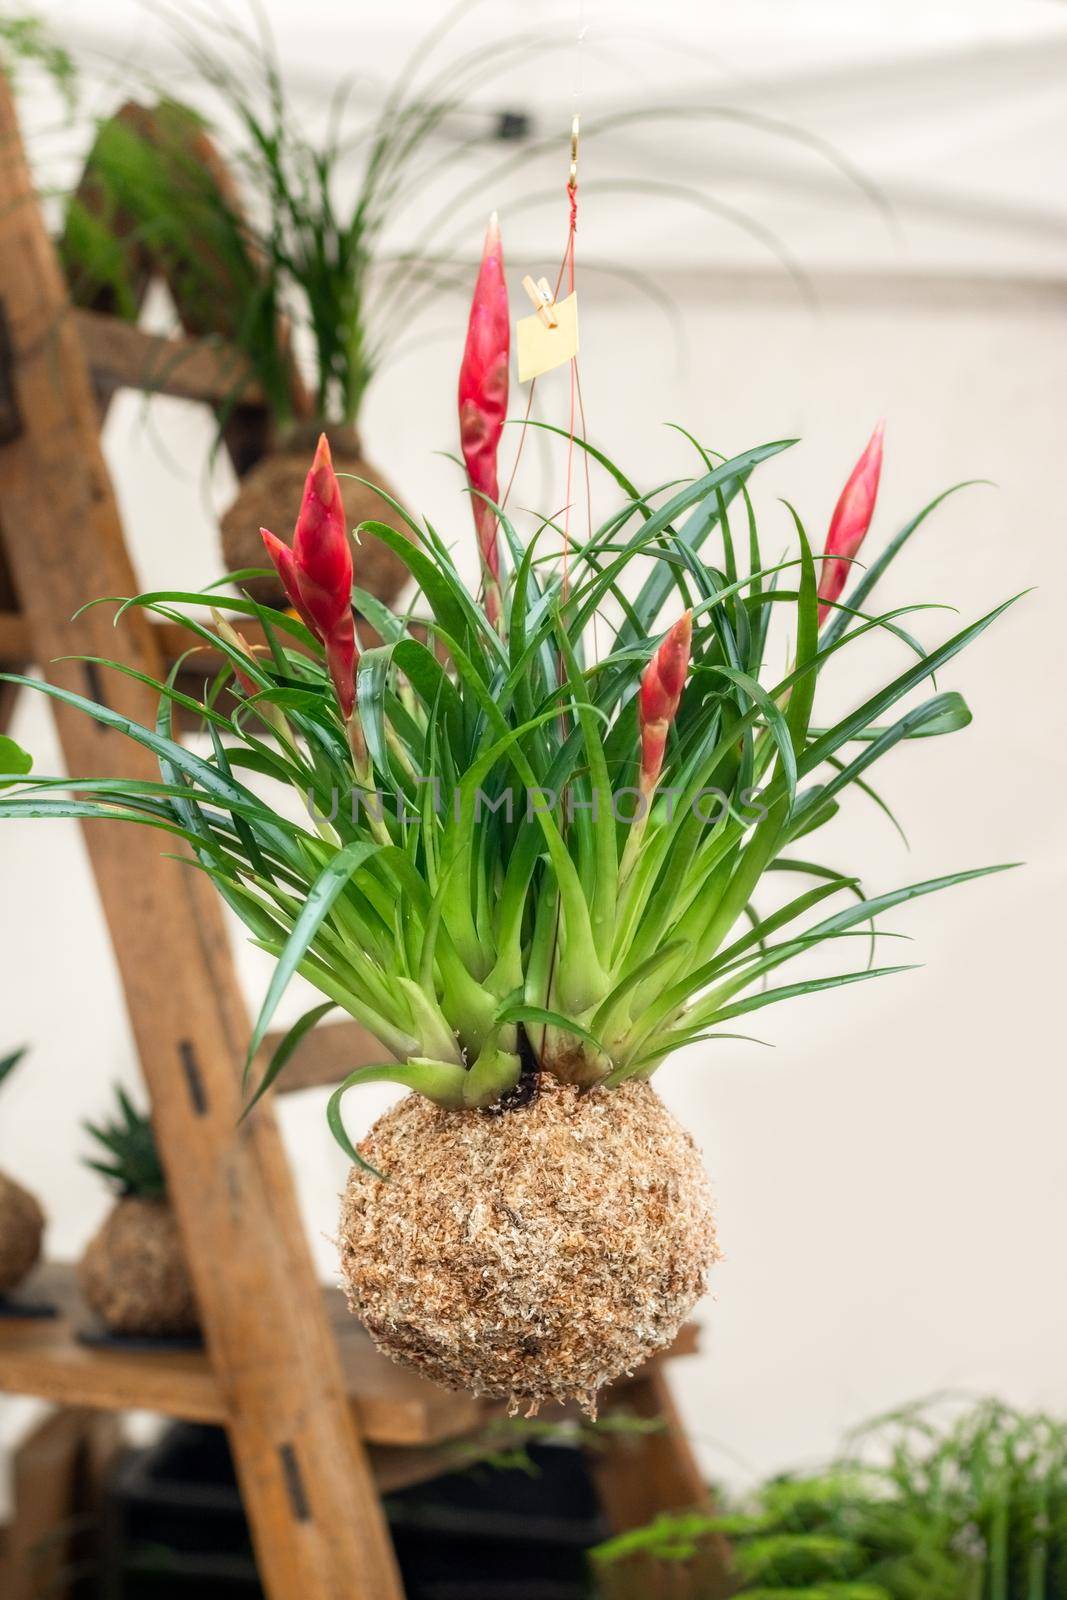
(133, 1274)
(270, 495)
(536, 1253)
(21, 1228)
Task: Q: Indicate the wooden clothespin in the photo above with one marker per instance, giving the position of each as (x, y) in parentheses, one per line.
(549, 338)
(544, 300)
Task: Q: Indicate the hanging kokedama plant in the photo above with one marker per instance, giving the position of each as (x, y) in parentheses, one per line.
(530, 867)
(133, 1273)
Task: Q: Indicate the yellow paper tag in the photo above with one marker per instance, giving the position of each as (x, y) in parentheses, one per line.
(541, 348)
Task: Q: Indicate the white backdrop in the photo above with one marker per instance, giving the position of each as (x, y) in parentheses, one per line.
(892, 1177)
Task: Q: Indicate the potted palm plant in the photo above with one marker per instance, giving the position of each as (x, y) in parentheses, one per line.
(536, 864)
(21, 1217)
(133, 1273)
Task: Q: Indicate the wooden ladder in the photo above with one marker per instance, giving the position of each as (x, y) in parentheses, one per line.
(319, 1424)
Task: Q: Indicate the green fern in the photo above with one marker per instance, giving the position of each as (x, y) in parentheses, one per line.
(930, 1503)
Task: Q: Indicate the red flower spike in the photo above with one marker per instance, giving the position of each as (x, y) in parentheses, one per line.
(660, 694)
(850, 521)
(282, 558)
(317, 573)
(483, 402)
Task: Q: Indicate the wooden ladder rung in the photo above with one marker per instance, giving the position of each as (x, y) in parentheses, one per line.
(122, 356)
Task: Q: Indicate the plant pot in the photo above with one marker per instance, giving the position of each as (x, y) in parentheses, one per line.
(21, 1231)
(269, 497)
(534, 1253)
(133, 1273)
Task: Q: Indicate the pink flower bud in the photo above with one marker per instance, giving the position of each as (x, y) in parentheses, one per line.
(850, 521)
(317, 573)
(483, 402)
(660, 694)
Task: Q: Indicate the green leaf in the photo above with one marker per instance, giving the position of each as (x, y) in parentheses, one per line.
(9, 1062)
(14, 761)
(286, 1048)
(330, 883)
(552, 1019)
(440, 1081)
(770, 997)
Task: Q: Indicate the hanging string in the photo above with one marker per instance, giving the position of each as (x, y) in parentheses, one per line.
(567, 270)
(577, 406)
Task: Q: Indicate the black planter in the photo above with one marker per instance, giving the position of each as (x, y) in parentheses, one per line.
(177, 1530)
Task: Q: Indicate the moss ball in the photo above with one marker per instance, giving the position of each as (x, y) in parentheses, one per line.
(133, 1274)
(533, 1254)
(21, 1231)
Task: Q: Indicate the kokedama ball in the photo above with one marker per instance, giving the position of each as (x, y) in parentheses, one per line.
(21, 1230)
(133, 1274)
(533, 1253)
(269, 496)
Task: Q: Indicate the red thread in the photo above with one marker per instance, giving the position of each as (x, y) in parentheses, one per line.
(566, 267)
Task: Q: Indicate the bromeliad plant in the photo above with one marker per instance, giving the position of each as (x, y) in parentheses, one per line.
(534, 870)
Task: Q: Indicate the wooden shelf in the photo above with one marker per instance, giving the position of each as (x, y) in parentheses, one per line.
(44, 1357)
(394, 1407)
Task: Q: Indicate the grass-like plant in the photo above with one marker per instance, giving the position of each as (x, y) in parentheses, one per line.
(993, 1474)
(534, 840)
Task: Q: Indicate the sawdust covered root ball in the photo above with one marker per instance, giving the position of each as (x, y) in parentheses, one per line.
(21, 1229)
(134, 1276)
(535, 1253)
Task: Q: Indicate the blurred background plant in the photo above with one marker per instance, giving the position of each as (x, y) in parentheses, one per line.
(26, 41)
(506, 1443)
(130, 1157)
(933, 1502)
(314, 246)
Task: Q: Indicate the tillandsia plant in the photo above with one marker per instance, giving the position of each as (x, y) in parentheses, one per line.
(133, 1273)
(535, 861)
